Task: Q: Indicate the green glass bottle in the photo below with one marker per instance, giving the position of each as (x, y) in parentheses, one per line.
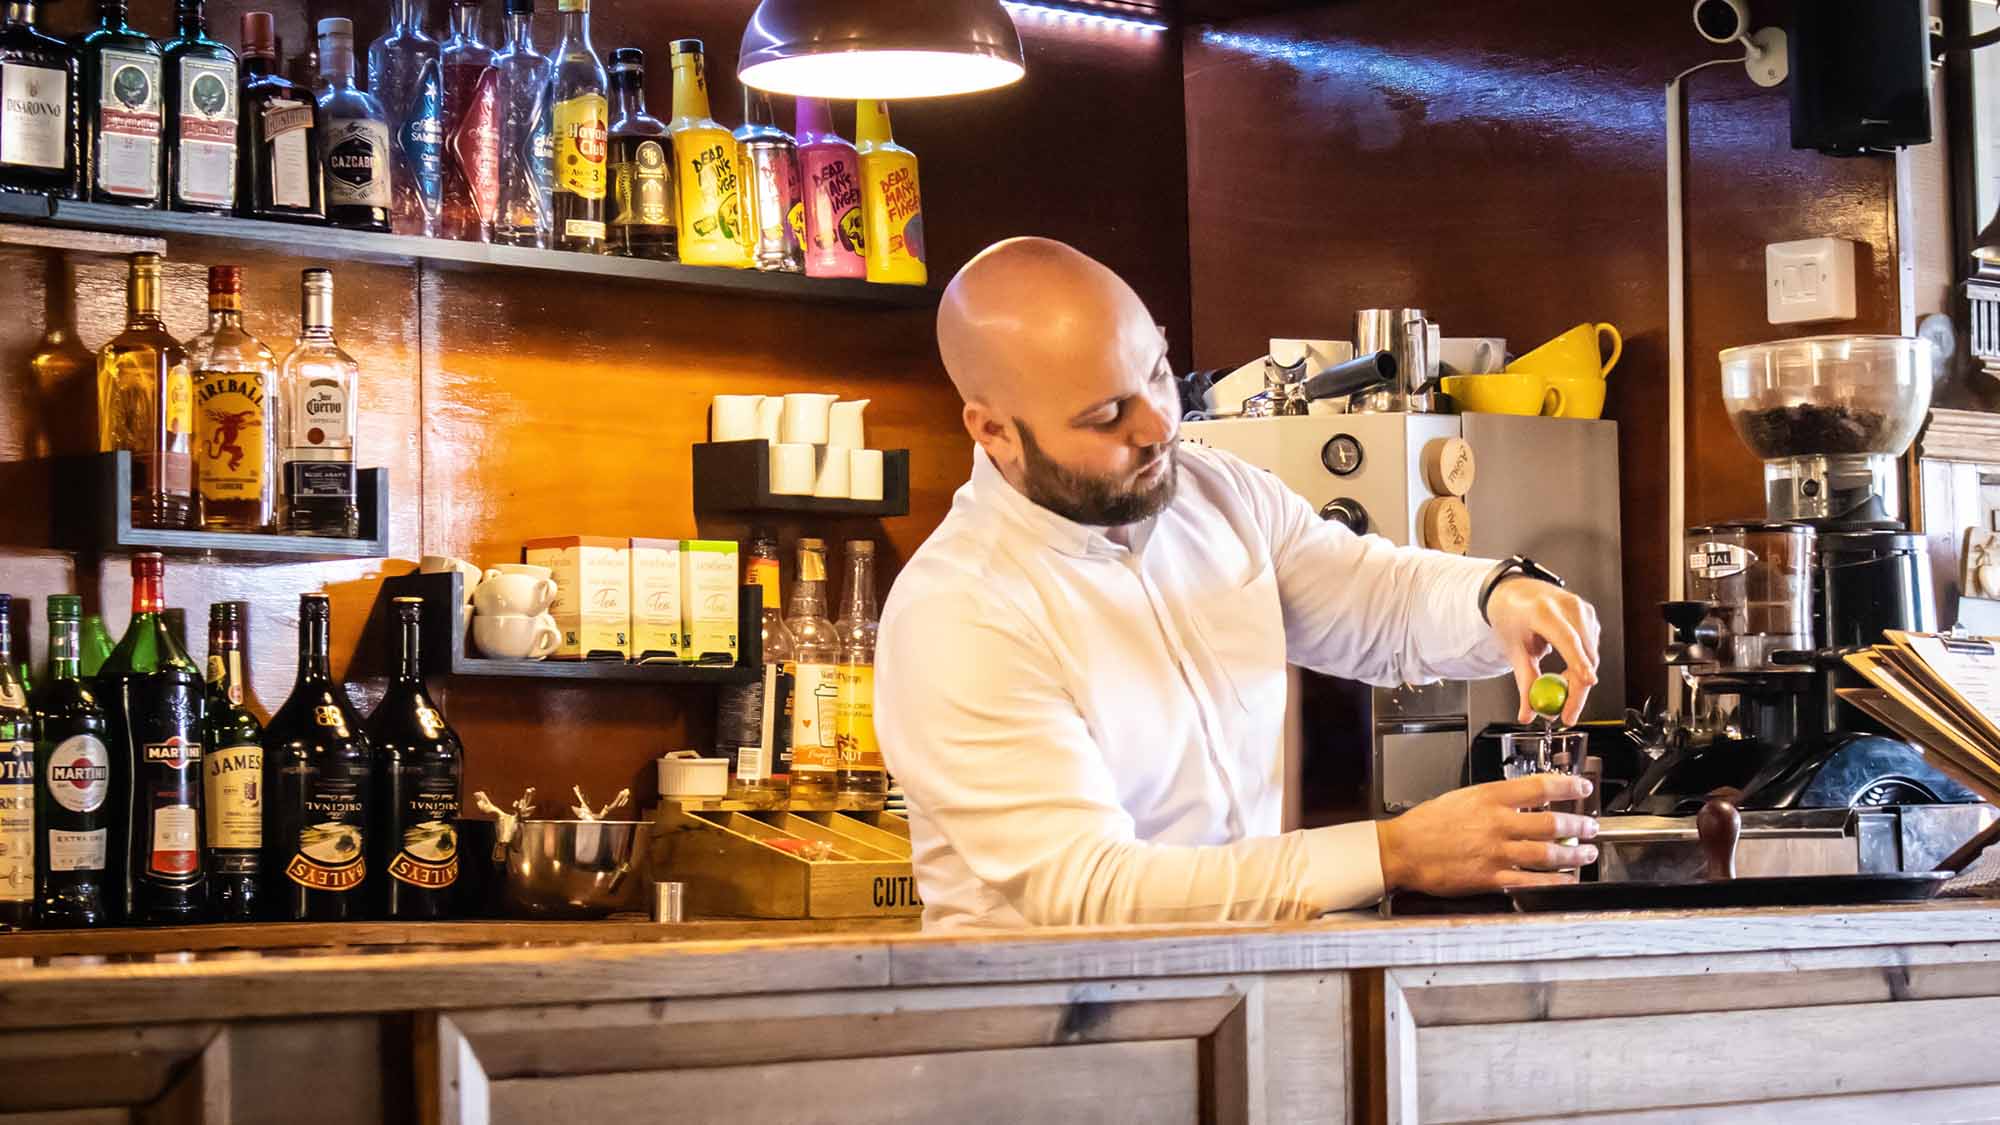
(80, 800)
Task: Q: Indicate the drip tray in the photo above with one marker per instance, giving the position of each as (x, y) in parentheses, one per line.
(1870, 841)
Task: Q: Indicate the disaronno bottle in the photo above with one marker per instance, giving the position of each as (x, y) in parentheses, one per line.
(38, 106)
(145, 404)
(579, 120)
(815, 691)
(642, 179)
(319, 780)
(235, 446)
(232, 773)
(318, 389)
(706, 179)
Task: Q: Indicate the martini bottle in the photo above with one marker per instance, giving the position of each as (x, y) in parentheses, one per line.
(80, 801)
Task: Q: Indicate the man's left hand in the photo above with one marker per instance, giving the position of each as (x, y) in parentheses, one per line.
(1530, 618)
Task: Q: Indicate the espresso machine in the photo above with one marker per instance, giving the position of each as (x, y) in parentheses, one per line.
(1772, 607)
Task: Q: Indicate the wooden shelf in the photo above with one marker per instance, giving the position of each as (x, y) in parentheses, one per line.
(445, 652)
(93, 512)
(734, 478)
(334, 243)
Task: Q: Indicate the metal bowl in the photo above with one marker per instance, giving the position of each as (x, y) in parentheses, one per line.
(575, 868)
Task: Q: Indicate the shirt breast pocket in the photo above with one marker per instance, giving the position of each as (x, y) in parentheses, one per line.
(1244, 629)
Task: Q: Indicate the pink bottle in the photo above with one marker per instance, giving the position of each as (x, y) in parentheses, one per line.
(830, 181)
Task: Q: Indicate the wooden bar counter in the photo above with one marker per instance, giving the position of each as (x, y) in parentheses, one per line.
(1826, 1015)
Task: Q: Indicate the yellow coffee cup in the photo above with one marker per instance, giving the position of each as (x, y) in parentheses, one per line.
(1582, 396)
(1576, 353)
(1504, 393)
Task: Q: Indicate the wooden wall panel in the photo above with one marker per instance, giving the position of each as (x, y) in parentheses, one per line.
(1508, 173)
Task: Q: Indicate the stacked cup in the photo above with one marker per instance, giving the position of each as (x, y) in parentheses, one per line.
(818, 442)
(512, 621)
(1574, 366)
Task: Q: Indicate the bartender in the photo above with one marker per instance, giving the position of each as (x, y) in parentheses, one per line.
(1081, 674)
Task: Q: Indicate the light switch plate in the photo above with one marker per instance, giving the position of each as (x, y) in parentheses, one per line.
(1809, 281)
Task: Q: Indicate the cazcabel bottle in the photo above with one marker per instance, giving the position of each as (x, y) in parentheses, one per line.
(40, 99)
(642, 183)
(80, 803)
(233, 773)
(278, 142)
(123, 111)
(864, 783)
(318, 785)
(17, 789)
(753, 727)
(235, 446)
(318, 389)
(201, 115)
(404, 71)
(815, 690)
(418, 763)
(152, 693)
(527, 149)
(706, 176)
(581, 127)
(146, 404)
(830, 178)
(355, 134)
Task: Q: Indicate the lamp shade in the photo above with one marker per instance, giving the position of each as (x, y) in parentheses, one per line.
(886, 49)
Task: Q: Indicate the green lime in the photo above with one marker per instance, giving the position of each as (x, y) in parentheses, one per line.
(1548, 694)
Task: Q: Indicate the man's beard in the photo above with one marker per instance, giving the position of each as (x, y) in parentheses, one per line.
(1094, 501)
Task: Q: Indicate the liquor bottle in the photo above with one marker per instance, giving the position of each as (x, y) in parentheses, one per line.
(40, 106)
(355, 133)
(642, 181)
(233, 773)
(282, 176)
(710, 211)
(770, 175)
(318, 778)
(471, 130)
(201, 99)
(815, 691)
(753, 728)
(863, 781)
(96, 645)
(80, 802)
(418, 762)
(122, 111)
(892, 203)
(527, 148)
(176, 620)
(24, 628)
(235, 447)
(578, 118)
(318, 390)
(145, 397)
(152, 694)
(830, 177)
(17, 789)
(404, 71)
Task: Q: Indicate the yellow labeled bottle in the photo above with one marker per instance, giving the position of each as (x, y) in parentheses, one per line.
(707, 179)
(892, 204)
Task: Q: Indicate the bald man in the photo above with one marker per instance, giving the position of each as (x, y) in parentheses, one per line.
(1081, 677)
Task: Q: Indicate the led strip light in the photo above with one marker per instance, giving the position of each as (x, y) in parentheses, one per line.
(1107, 20)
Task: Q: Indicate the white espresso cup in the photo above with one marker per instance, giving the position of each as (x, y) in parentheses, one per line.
(794, 469)
(515, 590)
(805, 418)
(734, 417)
(831, 483)
(1473, 355)
(864, 474)
(513, 636)
(445, 564)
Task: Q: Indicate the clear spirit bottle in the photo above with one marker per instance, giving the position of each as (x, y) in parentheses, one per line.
(772, 215)
(318, 393)
(527, 148)
(235, 447)
(355, 133)
(40, 95)
(579, 119)
(471, 130)
(815, 690)
(404, 70)
(864, 784)
(145, 404)
(201, 115)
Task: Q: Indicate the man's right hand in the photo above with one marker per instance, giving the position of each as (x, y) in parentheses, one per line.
(1476, 840)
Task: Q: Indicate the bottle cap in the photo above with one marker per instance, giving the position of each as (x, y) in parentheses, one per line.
(631, 58)
(681, 47)
(258, 32)
(65, 607)
(225, 279)
(316, 280)
(222, 613)
(860, 546)
(336, 28)
(148, 564)
(812, 544)
(520, 7)
(146, 262)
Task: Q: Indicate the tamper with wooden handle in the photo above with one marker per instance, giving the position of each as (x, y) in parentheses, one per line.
(1720, 826)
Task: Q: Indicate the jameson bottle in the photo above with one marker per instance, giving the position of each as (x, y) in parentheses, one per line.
(815, 690)
(201, 115)
(145, 404)
(578, 120)
(232, 774)
(318, 787)
(279, 159)
(864, 783)
(152, 693)
(355, 136)
(17, 788)
(526, 146)
(752, 726)
(79, 805)
(892, 204)
(770, 175)
(404, 71)
(710, 212)
(830, 178)
(418, 761)
(123, 111)
(235, 445)
(642, 183)
(471, 130)
(40, 99)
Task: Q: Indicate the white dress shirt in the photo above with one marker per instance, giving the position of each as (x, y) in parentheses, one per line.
(1089, 724)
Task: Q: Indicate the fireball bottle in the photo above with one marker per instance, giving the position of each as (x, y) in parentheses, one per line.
(830, 181)
(706, 177)
(418, 761)
(891, 201)
(235, 445)
(318, 785)
(79, 801)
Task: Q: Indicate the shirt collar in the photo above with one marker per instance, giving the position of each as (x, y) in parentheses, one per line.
(991, 488)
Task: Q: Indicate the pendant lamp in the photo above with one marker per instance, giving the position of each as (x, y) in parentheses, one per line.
(886, 49)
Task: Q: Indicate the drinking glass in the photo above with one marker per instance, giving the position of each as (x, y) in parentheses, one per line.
(1546, 751)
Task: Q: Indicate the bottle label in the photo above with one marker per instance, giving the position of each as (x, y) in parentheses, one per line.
(763, 573)
(815, 722)
(234, 777)
(176, 841)
(319, 480)
(169, 784)
(898, 207)
(428, 857)
(319, 416)
(17, 821)
(422, 138)
(230, 435)
(475, 144)
(34, 116)
(80, 773)
(78, 851)
(357, 163)
(854, 718)
(288, 131)
(643, 194)
(775, 183)
(709, 200)
(833, 209)
(331, 841)
(582, 228)
(207, 160)
(178, 400)
(581, 147)
(128, 124)
(798, 221)
(230, 672)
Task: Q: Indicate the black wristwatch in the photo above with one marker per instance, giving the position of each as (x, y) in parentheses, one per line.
(1520, 565)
